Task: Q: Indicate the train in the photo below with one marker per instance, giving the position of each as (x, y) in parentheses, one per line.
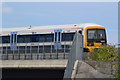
(94, 35)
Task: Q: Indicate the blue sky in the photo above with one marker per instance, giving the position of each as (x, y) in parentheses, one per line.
(20, 14)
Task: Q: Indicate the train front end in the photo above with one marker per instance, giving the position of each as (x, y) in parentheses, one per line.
(95, 37)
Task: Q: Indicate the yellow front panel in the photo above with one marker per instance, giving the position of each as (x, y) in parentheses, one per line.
(96, 45)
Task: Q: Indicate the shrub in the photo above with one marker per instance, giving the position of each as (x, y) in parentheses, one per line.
(106, 53)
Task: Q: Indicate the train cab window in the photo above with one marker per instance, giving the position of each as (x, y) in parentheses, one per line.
(92, 34)
(96, 34)
(101, 34)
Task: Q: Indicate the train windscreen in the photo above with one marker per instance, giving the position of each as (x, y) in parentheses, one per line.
(96, 34)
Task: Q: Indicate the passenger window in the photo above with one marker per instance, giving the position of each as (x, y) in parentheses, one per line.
(5, 39)
(21, 39)
(34, 38)
(49, 38)
(41, 38)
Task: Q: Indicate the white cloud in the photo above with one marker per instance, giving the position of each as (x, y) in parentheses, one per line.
(6, 8)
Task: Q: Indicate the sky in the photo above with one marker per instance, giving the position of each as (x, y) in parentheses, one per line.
(22, 14)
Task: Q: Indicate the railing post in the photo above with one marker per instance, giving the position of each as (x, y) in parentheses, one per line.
(31, 51)
(57, 50)
(64, 49)
(38, 52)
(13, 54)
(43, 51)
(25, 51)
(18, 51)
(1, 50)
(7, 52)
(51, 51)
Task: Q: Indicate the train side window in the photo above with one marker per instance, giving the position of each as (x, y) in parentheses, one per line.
(68, 36)
(49, 37)
(34, 38)
(27, 38)
(5, 39)
(41, 38)
(21, 39)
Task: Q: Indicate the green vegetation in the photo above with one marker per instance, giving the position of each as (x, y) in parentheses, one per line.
(106, 53)
(118, 74)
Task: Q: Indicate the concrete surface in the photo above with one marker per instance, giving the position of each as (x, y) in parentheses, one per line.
(84, 70)
(105, 67)
(33, 64)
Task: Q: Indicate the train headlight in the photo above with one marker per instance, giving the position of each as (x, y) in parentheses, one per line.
(90, 44)
(103, 43)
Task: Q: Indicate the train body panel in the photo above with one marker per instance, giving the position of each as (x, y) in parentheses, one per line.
(94, 34)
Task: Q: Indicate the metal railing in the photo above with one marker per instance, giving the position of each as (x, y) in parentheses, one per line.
(35, 51)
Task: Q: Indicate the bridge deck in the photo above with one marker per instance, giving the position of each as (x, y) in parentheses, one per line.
(55, 64)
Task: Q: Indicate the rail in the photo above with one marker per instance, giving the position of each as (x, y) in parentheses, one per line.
(35, 51)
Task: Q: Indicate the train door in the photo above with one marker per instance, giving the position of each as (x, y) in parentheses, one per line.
(57, 39)
(13, 40)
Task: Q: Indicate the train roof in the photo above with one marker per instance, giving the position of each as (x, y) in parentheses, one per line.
(46, 29)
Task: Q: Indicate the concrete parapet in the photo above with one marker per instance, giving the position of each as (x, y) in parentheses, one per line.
(84, 70)
(94, 69)
(34, 64)
(105, 67)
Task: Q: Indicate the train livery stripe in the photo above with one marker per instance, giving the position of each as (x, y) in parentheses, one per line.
(42, 30)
